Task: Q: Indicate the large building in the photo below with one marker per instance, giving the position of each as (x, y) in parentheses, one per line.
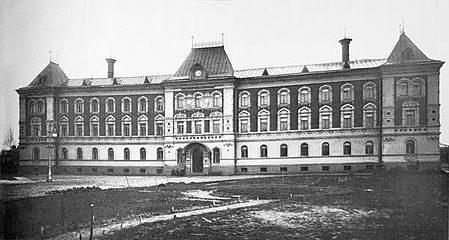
(208, 118)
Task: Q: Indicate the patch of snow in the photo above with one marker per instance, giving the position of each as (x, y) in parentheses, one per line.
(200, 194)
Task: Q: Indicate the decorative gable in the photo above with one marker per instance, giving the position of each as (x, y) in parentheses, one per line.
(406, 51)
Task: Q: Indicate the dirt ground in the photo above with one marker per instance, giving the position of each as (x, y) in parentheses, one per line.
(395, 205)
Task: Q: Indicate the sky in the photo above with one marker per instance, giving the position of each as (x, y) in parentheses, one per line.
(154, 37)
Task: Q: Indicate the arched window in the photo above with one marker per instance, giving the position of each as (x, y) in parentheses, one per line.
(159, 125)
(110, 105)
(79, 154)
(36, 154)
(216, 99)
(304, 118)
(244, 99)
(110, 126)
(94, 126)
(347, 92)
(283, 97)
(347, 116)
(402, 87)
(79, 126)
(369, 148)
(143, 125)
(32, 106)
(126, 105)
(304, 150)
(304, 95)
(369, 115)
(126, 154)
(325, 149)
(347, 148)
(410, 113)
(244, 151)
(63, 127)
(244, 121)
(110, 154)
(180, 100)
(263, 151)
(264, 120)
(63, 106)
(36, 127)
(159, 101)
(143, 154)
(325, 94)
(94, 153)
(283, 150)
(263, 98)
(325, 117)
(216, 155)
(369, 91)
(143, 104)
(40, 106)
(283, 119)
(79, 105)
(160, 154)
(216, 118)
(410, 147)
(126, 126)
(417, 87)
(198, 100)
(64, 154)
(94, 105)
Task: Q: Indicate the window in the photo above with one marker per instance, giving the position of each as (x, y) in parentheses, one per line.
(410, 147)
(94, 105)
(143, 154)
(64, 154)
(79, 105)
(304, 169)
(216, 99)
(283, 97)
(159, 122)
(40, 106)
(417, 87)
(94, 154)
(110, 126)
(264, 119)
(402, 87)
(198, 100)
(63, 127)
(263, 151)
(283, 150)
(369, 115)
(304, 150)
(180, 99)
(304, 118)
(180, 127)
(94, 126)
(244, 121)
(79, 127)
(126, 154)
(110, 105)
(325, 149)
(179, 156)
(142, 171)
(126, 126)
(244, 151)
(36, 127)
(126, 105)
(347, 168)
(63, 106)
(304, 95)
(244, 99)
(36, 154)
(32, 106)
(347, 93)
(110, 154)
(410, 117)
(198, 127)
(325, 117)
(410, 113)
(143, 125)
(263, 169)
(244, 170)
(79, 154)
(369, 91)
(143, 104)
(325, 94)
(347, 116)
(325, 168)
(159, 104)
(216, 126)
(369, 149)
(284, 119)
(263, 98)
(216, 155)
(159, 154)
(283, 169)
(347, 148)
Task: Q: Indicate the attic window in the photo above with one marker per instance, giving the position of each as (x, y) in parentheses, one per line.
(407, 54)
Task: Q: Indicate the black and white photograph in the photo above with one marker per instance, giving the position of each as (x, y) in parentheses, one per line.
(224, 119)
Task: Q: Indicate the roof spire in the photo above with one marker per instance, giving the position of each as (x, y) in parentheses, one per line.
(345, 32)
(402, 27)
(192, 40)
(49, 54)
(222, 38)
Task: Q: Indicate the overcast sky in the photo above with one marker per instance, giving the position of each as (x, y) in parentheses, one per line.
(154, 37)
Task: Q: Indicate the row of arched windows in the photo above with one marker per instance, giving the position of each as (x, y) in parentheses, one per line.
(111, 155)
(110, 105)
(198, 100)
(406, 87)
(304, 95)
(304, 149)
(36, 106)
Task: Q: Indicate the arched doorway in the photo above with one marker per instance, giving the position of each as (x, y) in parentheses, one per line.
(197, 160)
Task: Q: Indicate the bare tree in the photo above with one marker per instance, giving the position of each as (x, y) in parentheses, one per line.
(9, 138)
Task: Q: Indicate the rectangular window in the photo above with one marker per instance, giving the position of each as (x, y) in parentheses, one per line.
(347, 121)
(304, 123)
(325, 168)
(325, 123)
(244, 170)
(142, 171)
(325, 95)
(410, 117)
(126, 129)
(94, 130)
(304, 97)
(283, 124)
(36, 130)
(79, 130)
(110, 170)
(126, 170)
(94, 170)
(110, 129)
(263, 124)
(79, 170)
(216, 126)
(206, 126)
(304, 169)
(143, 129)
(263, 169)
(347, 168)
(64, 130)
(244, 101)
(198, 127)
(244, 125)
(180, 127)
(347, 94)
(159, 129)
(369, 120)
(189, 127)
(369, 167)
(283, 169)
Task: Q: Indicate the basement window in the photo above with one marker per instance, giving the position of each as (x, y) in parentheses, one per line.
(126, 170)
(304, 169)
(142, 171)
(263, 169)
(347, 168)
(159, 170)
(244, 170)
(283, 169)
(110, 170)
(369, 167)
(94, 170)
(325, 168)
(79, 170)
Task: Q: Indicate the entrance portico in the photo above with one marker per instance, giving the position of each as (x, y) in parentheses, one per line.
(197, 158)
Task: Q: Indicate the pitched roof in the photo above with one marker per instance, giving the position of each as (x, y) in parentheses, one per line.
(151, 79)
(406, 51)
(52, 75)
(213, 59)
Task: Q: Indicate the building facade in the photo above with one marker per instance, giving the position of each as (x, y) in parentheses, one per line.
(208, 118)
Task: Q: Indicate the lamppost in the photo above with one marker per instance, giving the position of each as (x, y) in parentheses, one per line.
(51, 135)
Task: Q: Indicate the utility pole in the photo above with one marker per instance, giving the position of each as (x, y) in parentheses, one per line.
(91, 237)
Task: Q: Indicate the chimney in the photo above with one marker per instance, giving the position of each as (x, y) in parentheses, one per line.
(110, 67)
(345, 51)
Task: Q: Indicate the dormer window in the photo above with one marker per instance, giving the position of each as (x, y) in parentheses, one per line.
(197, 72)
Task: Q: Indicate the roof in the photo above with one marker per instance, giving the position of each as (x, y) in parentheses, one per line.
(213, 59)
(151, 79)
(52, 75)
(406, 51)
(297, 69)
